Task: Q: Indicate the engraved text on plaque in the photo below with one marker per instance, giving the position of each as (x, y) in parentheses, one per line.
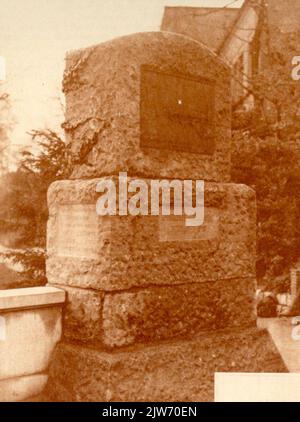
(77, 231)
(173, 229)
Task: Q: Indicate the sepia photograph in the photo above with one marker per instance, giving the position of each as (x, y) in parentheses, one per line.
(150, 204)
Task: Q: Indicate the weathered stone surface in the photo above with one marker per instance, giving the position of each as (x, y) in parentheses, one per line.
(160, 313)
(82, 316)
(107, 113)
(154, 105)
(181, 371)
(29, 339)
(132, 252)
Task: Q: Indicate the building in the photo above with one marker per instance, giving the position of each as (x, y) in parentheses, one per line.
(242, 36)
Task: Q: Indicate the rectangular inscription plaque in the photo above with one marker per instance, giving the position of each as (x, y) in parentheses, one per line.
(177, 113)
(173, 228)
(77, 231)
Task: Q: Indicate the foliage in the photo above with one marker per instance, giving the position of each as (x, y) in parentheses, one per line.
(33, 273)
(23, 194)
(39, 167)
(49, 160)
(272, 169)
(6, 124)
(23, 212)
(266, 153)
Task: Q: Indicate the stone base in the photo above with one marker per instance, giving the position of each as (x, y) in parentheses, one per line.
(117, 253)
(177, 371)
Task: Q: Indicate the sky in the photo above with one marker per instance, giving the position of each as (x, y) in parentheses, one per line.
(36, 34)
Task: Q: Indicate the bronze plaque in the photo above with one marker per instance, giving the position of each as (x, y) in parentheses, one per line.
(177, 113)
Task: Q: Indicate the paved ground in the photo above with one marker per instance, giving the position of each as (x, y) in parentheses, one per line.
(281, 330)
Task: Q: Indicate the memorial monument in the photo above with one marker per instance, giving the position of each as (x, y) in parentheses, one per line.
(154, 307)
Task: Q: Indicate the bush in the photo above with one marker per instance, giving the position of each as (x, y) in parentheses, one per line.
(32, 273)
(271, 167)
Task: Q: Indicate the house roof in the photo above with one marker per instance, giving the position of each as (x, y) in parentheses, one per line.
(241, 32)
(209, 25)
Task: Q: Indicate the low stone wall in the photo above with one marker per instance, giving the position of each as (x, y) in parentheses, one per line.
(30, 327)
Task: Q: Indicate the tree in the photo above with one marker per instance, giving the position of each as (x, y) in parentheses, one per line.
(48, 159)
(6, 124)
(23, 193)
(21, 210)
(24, 212)
(266, 156)
(46, 162)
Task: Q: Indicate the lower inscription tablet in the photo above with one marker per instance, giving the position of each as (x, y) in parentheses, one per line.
(173, 228)
(77, 231)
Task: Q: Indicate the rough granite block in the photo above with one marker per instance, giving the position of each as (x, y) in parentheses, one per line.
(82, 314)
(160, 313)
(180, 371)
(152, 104)
(120, 252)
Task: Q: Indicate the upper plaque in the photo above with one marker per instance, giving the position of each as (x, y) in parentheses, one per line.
(177, 113)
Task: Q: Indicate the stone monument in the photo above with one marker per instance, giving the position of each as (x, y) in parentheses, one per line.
(154, 308)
